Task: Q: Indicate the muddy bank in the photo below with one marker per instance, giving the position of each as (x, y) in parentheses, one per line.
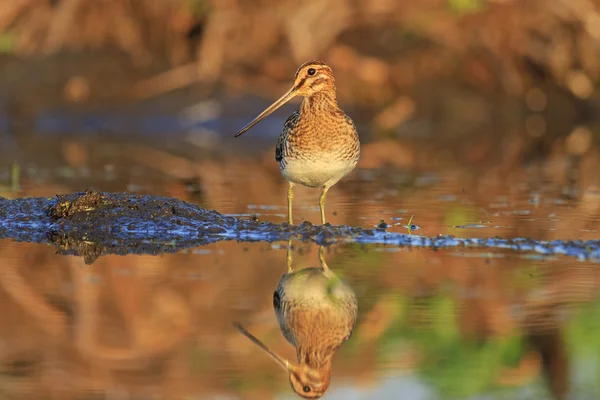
(94, 223)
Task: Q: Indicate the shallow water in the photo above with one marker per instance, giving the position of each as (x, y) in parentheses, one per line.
(433, 322)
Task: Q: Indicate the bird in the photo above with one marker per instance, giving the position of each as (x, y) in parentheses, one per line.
(316, 312)
(319, 143)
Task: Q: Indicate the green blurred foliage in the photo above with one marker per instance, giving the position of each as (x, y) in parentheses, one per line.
(451, 363)
(7, 43)
(583, 343)
(200, 8)
(460, 215)
(466, 6)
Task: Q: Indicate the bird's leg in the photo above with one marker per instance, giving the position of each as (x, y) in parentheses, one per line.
(290, 200)
(289, 257)
(322, 258)
(322, 203)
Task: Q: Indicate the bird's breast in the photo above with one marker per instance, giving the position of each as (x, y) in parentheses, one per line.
(312, 304)
(318, 149)
(316, 172)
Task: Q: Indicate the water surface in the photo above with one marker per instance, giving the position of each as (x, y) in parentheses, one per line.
(433, 323)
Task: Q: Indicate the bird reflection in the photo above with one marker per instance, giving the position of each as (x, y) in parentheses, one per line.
(317, 314)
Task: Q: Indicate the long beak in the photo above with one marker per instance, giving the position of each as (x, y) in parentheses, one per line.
(278, 103)
(283, 362)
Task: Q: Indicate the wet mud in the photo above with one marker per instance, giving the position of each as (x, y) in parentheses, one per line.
(92, 223)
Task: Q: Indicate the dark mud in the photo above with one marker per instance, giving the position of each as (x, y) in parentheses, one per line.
(93, 223)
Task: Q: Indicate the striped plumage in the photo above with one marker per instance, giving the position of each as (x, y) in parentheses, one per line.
(319, 143)
(317, 313)
(316, 153)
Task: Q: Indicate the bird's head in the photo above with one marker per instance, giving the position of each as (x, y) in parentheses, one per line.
(310, 383)
(311, 77)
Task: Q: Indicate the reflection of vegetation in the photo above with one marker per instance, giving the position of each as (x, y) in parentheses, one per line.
(456, 215)
(465, 6)
(425, 334)
(15, 177)
(255, 380)
(459, 367)
(200, 360)
(7, 43)
(583, 343)
(199, 8)
(10, 191)
(360, 269)
(526, 276)
(451, 363)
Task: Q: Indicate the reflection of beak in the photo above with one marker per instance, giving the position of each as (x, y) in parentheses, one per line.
(278, 103)
(283, 362)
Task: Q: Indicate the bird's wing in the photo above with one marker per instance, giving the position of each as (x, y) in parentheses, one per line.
(290, 123)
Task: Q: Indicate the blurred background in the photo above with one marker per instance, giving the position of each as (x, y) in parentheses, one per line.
(478, 117)
(485, 83)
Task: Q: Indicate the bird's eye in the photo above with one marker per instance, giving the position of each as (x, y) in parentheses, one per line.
(306, 389)
(311, 72)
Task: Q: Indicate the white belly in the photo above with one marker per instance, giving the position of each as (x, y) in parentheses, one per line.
(317, 173)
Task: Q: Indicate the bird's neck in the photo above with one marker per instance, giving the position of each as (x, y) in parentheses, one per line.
(318, 360)
(320, 102)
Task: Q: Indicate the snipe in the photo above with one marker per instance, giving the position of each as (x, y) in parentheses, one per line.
(319, 143)
(317, 313)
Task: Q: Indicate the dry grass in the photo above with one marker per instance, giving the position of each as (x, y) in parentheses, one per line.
(497, 44)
